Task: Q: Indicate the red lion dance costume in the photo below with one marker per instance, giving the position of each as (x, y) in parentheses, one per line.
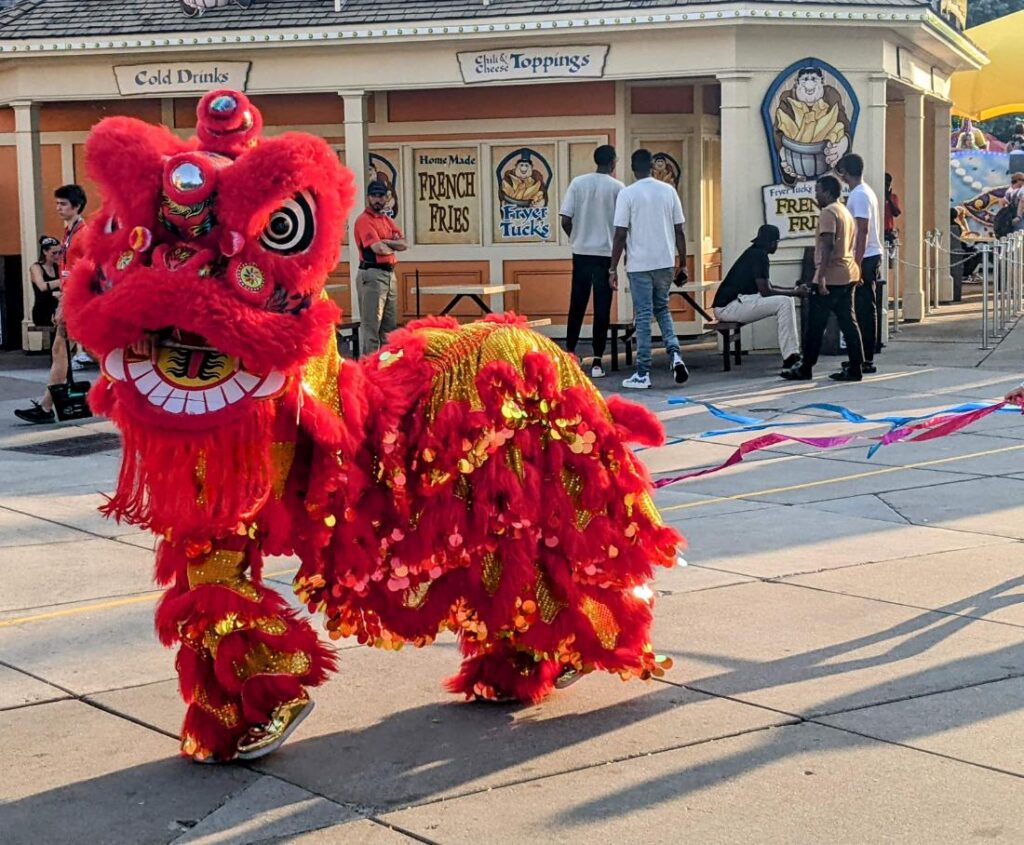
(465, 478)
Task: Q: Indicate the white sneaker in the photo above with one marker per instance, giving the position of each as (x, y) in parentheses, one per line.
(637, 382)
(82, 359)
(76, 365)
(679, 368)
(597, 371)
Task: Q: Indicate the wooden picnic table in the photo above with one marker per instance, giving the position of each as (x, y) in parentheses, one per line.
(460, 292)
(690, 288)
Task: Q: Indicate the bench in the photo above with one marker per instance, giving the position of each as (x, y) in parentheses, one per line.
(731, 336)
(49, 332)
(628, 330)
(352, 338)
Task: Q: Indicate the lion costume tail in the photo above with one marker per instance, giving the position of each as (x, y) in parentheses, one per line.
(501, 503)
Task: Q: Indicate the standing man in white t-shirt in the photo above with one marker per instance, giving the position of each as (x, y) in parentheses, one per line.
(587, 213)
(867, 252)
(649, 227)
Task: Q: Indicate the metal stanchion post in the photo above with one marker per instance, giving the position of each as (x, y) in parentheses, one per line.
(1013, 275)
(927, 272)
(1005, 305)
(896, 270)
(984, 296)
(1018, 275)
(996, 323)
(936, 264)
(1018, 270)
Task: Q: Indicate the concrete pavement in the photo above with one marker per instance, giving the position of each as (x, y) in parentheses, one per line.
(847, 639)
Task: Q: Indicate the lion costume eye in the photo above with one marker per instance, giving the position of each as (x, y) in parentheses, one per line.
(112, 225)
(292, 227)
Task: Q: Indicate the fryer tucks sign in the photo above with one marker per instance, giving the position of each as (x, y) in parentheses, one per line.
(534, 63)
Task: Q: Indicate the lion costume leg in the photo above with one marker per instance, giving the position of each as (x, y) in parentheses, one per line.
(246, 658)
(503, 505)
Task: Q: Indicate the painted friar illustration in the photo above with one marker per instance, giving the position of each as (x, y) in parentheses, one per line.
(812, 127)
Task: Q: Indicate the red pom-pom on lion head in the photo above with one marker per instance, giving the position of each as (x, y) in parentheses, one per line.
(218, 248)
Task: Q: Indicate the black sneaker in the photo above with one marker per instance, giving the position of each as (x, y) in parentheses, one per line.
(791, 361)
(36, 414)
(846, 375)
(679, 368)
(867, 368)
(796, 374)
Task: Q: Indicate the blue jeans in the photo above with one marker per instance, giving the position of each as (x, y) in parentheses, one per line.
(649, 290)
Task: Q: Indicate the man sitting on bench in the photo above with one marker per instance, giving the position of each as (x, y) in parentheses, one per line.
(747, 295)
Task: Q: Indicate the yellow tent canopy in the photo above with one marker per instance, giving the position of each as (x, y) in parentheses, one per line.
(997, 88)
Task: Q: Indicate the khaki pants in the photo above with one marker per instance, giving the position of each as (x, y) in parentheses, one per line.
(378, 307)
(751, 307)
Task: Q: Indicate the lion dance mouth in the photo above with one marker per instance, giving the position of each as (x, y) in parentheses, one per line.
(467, 478)
(189, 377)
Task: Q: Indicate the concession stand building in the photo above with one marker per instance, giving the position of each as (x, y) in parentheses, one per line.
(478, 114)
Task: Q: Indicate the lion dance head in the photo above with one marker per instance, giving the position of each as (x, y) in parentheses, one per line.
(202, 296)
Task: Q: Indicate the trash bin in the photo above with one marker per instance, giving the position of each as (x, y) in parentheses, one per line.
(832, 339)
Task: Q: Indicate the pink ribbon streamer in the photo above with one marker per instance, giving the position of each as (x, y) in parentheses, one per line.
(928, 430)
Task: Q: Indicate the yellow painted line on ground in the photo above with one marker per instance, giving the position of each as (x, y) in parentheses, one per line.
(104, 605)
(867, 474)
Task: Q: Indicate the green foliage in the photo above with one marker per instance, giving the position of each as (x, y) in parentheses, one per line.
(983, 11)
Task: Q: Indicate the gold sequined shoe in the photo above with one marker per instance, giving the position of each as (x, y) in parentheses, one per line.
(261, 740)
(568, 677)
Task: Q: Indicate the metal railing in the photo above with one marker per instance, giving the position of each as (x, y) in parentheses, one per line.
(1002, 285)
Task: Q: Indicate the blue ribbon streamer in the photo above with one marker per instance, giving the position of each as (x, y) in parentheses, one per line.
(751, 424)
(715, 411)
(848, 416)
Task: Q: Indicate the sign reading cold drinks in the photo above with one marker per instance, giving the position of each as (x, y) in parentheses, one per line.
(168, 78)
(447, 195)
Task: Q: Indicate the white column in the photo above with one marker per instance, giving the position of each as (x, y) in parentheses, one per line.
(941, 188)
(357, 154)
(695, 226)
(741, 206)
(624, 148)
(30, 189)
(912, 249)
(872, 134)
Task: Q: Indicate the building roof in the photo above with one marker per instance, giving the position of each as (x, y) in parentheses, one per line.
(51, 19)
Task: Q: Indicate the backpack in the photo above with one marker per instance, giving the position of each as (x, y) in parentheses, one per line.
(1002, 225)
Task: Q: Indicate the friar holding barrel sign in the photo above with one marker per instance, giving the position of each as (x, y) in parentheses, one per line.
(812, 127)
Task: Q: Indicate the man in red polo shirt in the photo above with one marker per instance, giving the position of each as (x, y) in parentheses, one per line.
(377, 240)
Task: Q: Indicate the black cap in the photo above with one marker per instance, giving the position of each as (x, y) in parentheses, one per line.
(376, 189)
(767, 234)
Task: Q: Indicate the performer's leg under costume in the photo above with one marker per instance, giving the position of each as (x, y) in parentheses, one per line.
(246, 658)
